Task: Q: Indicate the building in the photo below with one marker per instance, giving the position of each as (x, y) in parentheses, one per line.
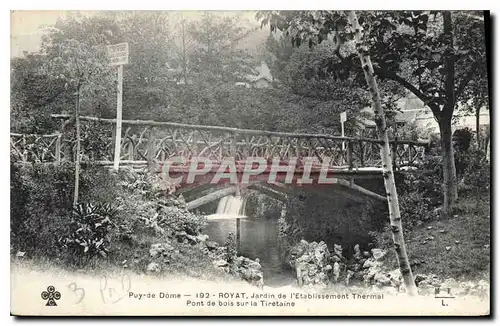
(412, 109)
(262, 79)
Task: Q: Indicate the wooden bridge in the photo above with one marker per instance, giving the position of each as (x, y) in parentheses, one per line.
(152, 142)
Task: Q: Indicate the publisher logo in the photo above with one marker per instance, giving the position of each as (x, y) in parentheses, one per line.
(51, 295)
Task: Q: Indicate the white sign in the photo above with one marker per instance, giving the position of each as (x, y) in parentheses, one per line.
(343, 117)
(118, 54)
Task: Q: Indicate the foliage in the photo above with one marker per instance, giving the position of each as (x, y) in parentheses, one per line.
(433, 54)
(261, 206)
(460, 251)
(89, 231)
(42, 204)
(231, 250)
(420, 192)
(462, 139)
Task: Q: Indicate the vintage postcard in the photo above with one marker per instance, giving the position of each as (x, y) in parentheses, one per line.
(250, 163)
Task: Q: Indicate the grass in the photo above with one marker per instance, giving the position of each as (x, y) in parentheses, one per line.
(467, 259)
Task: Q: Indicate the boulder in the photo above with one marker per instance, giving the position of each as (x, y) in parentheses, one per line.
(220, 263)
(370, 262)
(381, 280)
(378, 254)
(153, 268)
(160, 249)
(202, 237)
(192, 239)
(357, 253)
(336, 272)
(211, 245)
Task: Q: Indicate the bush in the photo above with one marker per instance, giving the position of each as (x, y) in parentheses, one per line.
(42, 203)
(89, 232)
(462, 139)
(420, 192)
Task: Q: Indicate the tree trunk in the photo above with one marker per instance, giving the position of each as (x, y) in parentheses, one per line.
(77, 159)
(450, 190)
(478, 136)
(390, 185)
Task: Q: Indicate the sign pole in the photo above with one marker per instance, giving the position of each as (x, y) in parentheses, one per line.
(343, 118)
(118, 138)
(118, 55)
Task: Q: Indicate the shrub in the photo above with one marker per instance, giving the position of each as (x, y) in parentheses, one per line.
(41, 208)
(89, 231)
(420, 192)
(462, 139)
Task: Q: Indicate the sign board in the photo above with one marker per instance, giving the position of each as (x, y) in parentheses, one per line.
(343, 117)
(118, 54)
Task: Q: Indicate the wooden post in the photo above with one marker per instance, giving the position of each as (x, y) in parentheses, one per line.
(233, 145)
(361, 154)
(151, 148)
(349, 155)
(118, 138)
(131, 150)
(58, 150)
(349, 160)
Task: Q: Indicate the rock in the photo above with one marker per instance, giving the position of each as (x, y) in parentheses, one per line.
(336, 272)
(192, 239)
(160, 249)
(337, 250)
(211, 245)
(381, 280)
(220, 263)
(202, 237)
(442, 231)
(153, 268)
(366, 254)
(447, 248)
(350, 274)
(429, 227)
(181, 235)
(357, 252)
(312, 261)
(457, 241)
(429, 238)
(378, 253)
(450, 283)
(419, 278)
(369, 263)
(20, 254)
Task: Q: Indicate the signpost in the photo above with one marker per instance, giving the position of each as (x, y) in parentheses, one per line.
(118, 55)
(343, 118)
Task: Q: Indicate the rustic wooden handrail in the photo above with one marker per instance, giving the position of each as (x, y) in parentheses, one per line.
(234, 130)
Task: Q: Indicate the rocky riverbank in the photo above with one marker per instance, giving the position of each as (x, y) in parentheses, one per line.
(316, 267)
(223, 257)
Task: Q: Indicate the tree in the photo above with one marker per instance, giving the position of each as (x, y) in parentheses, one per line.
(434, 55)
(84, 69)
(385, 153)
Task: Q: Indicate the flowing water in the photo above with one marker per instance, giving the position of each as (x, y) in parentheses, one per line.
(258, 238)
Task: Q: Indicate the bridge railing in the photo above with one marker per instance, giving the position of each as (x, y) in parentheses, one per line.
(36, 148)
(152, 142)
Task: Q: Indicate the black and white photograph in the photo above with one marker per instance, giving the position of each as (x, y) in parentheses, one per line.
(250, 163)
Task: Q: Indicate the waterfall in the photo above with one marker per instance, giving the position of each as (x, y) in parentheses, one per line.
(230, 207)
